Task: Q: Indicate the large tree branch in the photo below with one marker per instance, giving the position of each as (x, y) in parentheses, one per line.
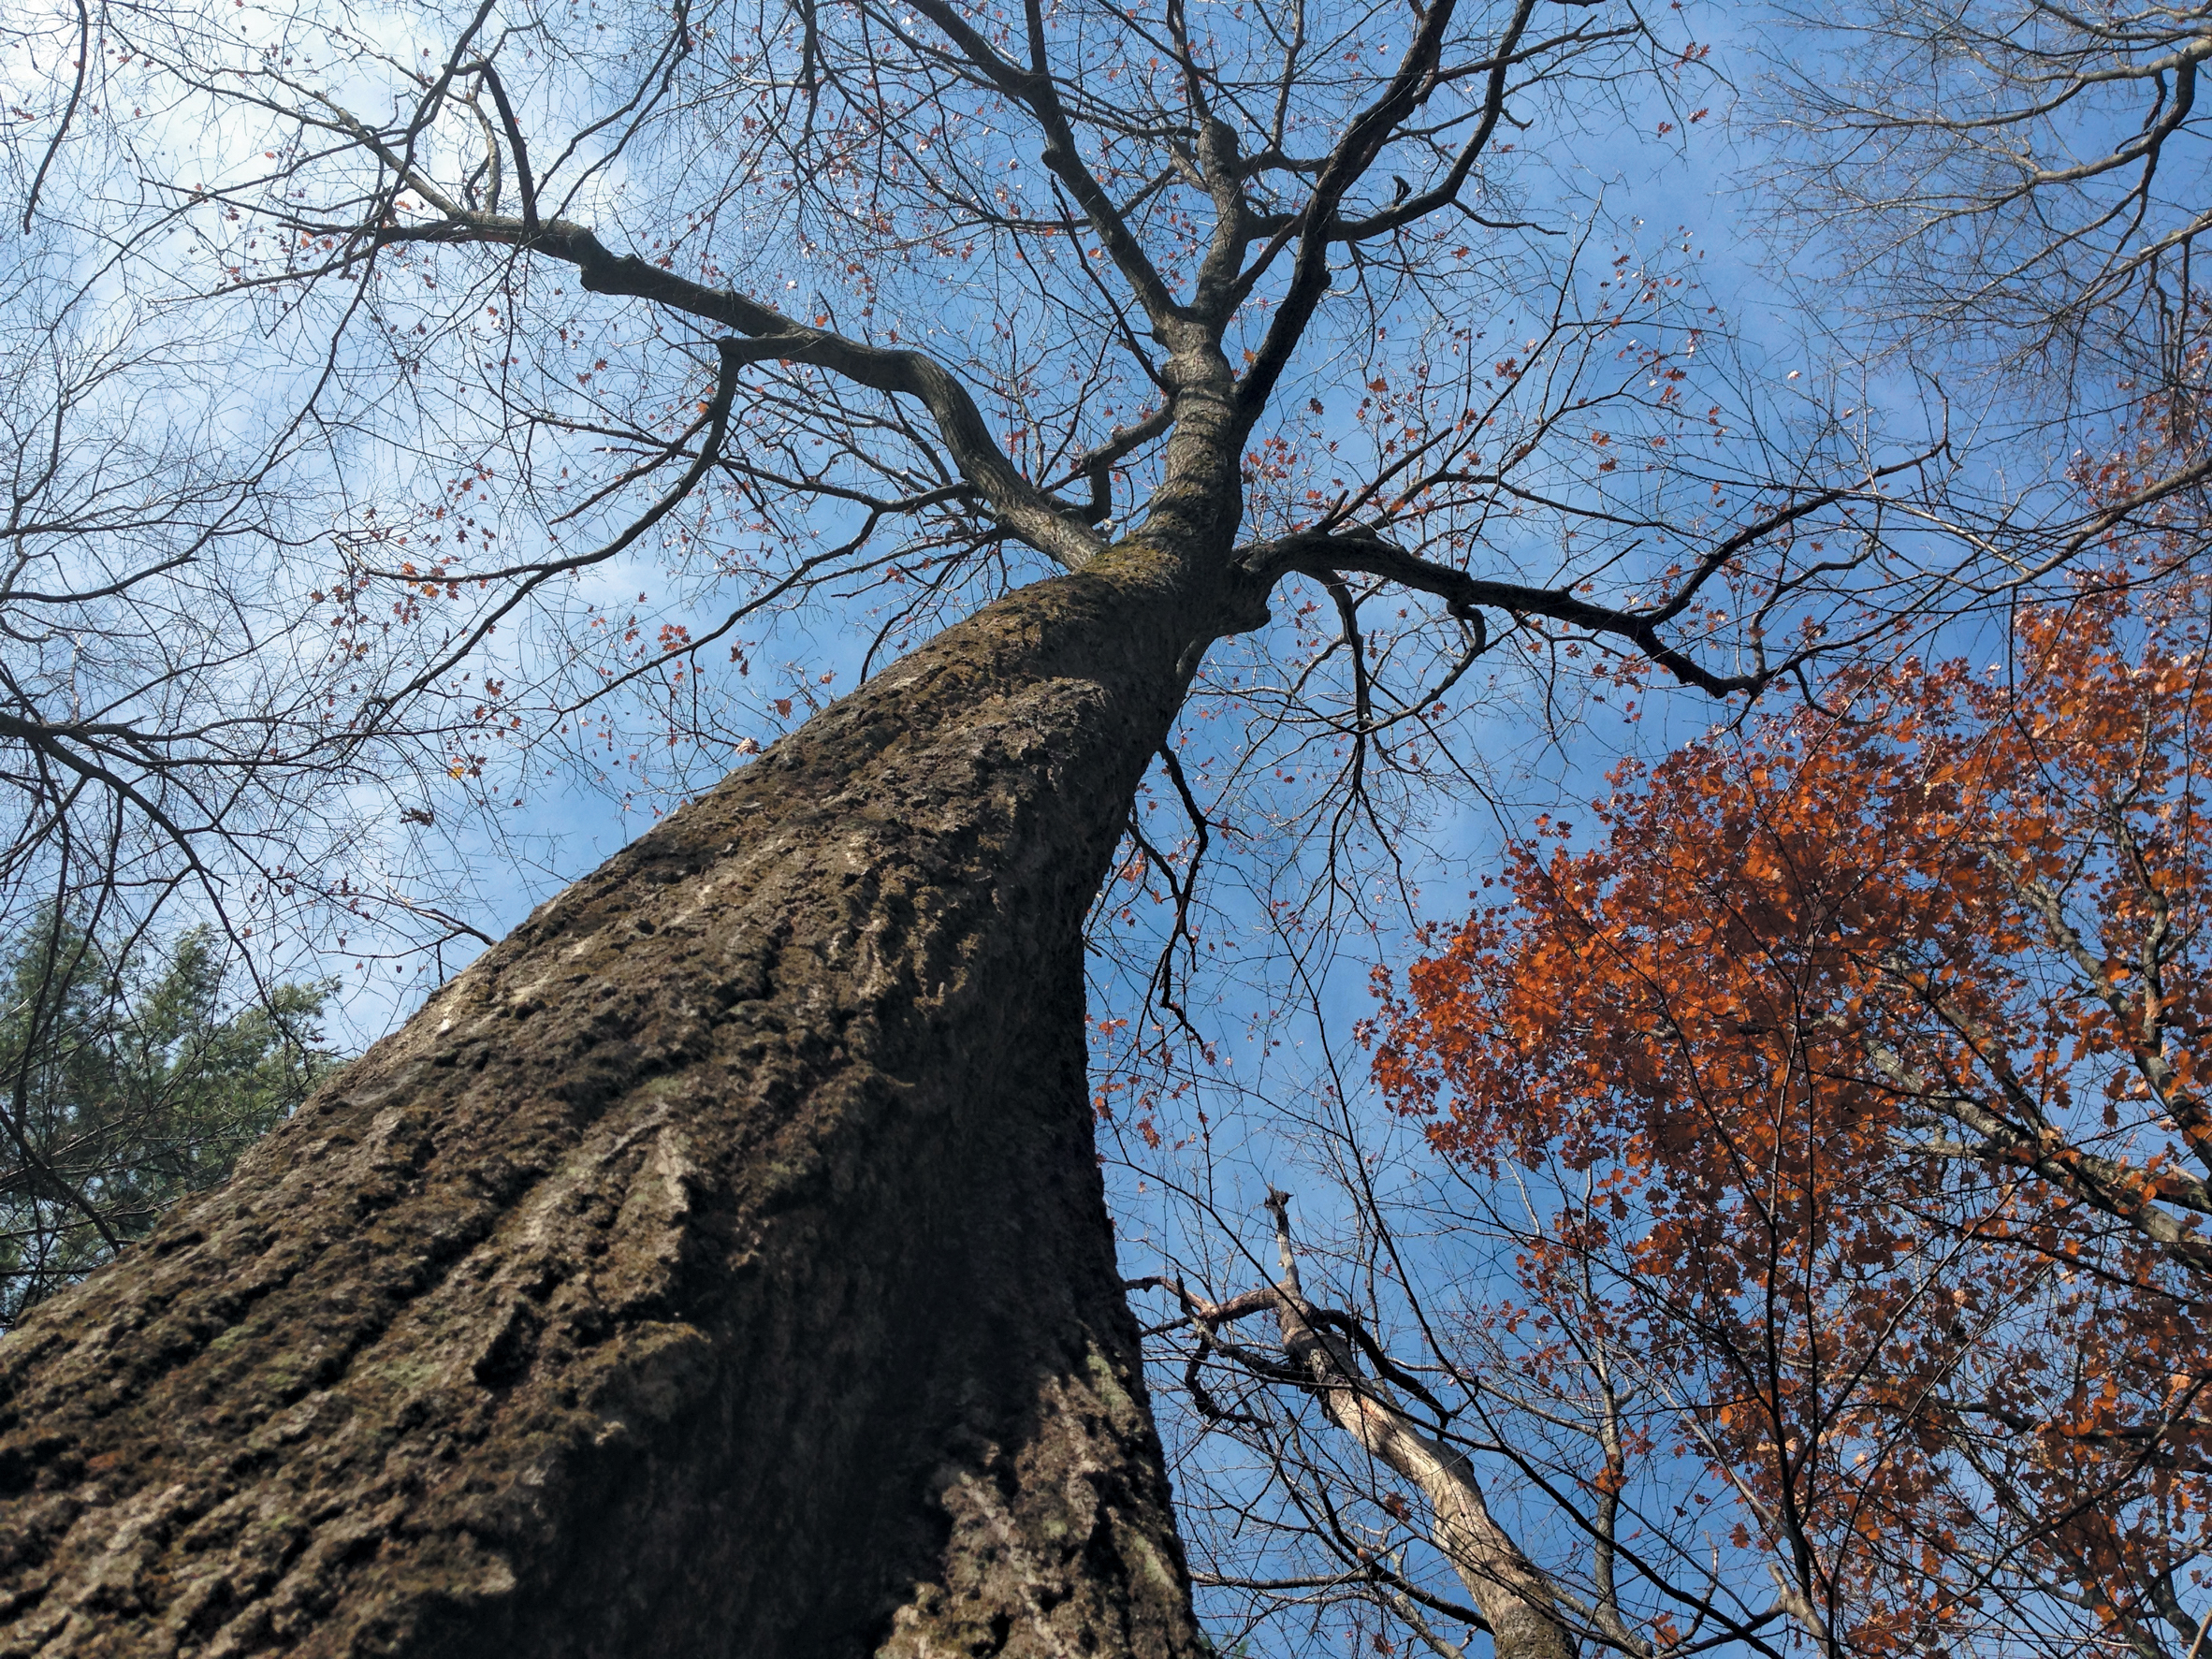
(1326, 556)
(1098, 464)
(1516, 1596)
(1362, 141)
(2029, 1143)
(1447, 191)
(1020, 505)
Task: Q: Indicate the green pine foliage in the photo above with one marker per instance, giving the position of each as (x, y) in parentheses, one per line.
(129, 1076)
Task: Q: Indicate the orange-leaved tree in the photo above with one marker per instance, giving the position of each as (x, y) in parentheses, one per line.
(1853, 1075)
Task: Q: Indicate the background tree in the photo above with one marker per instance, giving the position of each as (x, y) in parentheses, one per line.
(173, 750)
(1843, 1097)
(720, 1262)
(135, 1079)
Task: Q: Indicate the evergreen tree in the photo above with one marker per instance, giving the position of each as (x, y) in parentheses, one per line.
(129, 1078)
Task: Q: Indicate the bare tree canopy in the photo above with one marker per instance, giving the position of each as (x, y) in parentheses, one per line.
(2031, 176)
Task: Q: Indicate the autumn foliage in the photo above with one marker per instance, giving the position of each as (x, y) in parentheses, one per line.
(1852, 1075)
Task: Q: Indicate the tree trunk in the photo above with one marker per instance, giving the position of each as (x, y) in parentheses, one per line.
(718, 1266)
(1515, 1597)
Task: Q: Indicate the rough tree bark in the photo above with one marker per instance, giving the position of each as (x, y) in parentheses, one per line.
(720, 1266)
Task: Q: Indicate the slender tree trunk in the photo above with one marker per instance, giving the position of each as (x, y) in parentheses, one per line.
(720, 1266)
(1515, 1596)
